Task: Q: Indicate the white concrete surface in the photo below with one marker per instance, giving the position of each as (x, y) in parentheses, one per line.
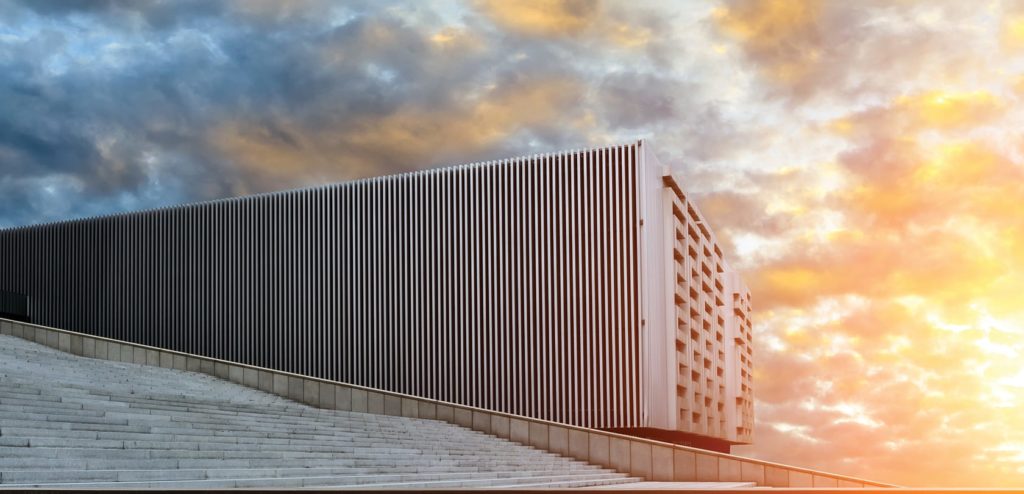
(74, 422)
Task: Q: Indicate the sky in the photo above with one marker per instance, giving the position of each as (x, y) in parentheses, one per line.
(862, 164)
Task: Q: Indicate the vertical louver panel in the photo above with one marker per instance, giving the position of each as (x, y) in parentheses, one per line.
(510, 285)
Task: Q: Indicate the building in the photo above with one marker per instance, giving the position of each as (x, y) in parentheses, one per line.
(581, 287)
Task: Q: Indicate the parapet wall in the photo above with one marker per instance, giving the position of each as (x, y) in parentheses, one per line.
(649, 459)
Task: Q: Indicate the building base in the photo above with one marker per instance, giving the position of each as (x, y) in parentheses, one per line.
(678, 437)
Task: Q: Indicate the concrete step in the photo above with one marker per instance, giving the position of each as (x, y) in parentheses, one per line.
(137, 402)
(328, 475)
(254, 460)
(421, 481)
(32, 438)
(74, 423)
(362, 422)
(185, 404)
(183, 426)
(381, 458)
(268, 458)
(258, 439)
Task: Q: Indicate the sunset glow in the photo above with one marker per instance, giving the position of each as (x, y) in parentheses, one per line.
(862, 163)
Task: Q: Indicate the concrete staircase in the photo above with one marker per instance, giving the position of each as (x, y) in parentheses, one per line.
(74, 422)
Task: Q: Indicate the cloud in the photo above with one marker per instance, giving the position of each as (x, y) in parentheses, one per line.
(245, 97)
(543, 17)
(867, 392)
(632, 102)
(140, 14)
(877, 334)
(806, 50)
(902, 196)
(65, 101)
(858, 160)
(572, 19)
(786, 36)
(399, 140)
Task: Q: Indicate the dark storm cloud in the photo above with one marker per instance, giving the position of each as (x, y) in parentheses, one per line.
(115, 129)
(157, 14)
(83, 130)
(117, 104)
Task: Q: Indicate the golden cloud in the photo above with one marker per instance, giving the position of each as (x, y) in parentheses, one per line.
(410, 137)
(899, 336)
(905, 118)
(939, 109)
(542, 17)
(771, 22)
(841, 50)
(1013, 32)
(867, 391)
(456, 40)
(783, 34)
(564, 19)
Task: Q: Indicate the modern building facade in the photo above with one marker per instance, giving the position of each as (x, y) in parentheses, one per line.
(580, 287)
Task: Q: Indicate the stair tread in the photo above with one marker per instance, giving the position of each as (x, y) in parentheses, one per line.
(74, 422)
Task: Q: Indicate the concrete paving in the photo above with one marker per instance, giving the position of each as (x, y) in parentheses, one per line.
(74, 422)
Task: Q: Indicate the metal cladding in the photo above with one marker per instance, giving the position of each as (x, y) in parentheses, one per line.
(13, 306)
(520, 285)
